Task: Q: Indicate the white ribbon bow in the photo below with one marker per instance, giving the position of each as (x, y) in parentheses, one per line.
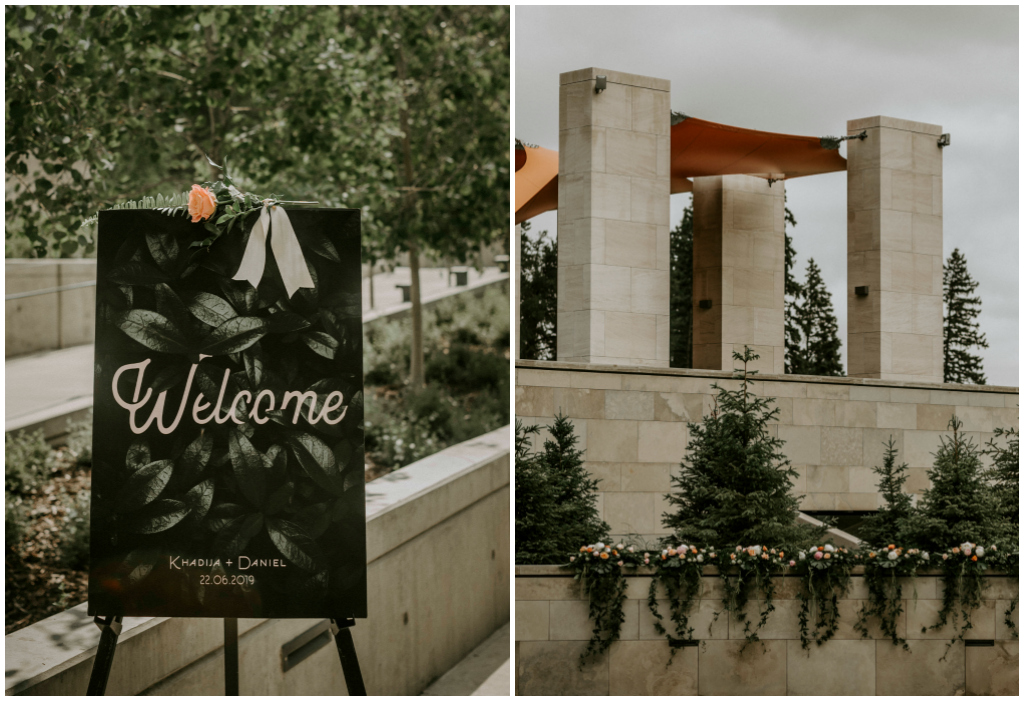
(286, 248)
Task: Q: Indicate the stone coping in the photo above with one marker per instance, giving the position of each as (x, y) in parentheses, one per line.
(399, 507)
(709, 571)
(556, 365)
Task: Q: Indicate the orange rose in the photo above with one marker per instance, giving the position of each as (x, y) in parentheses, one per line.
(583, 549)
(871, 555)
(732, 556)
(201, 204)
(974, 558)
(604, 556)
(827, 556)
(892, 547)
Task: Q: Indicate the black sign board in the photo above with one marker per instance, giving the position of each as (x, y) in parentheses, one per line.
(228, 423)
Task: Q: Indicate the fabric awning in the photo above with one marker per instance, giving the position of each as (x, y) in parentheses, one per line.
(698, 148)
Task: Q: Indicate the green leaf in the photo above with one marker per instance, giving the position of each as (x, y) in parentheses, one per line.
(253, 359)
(158, 516)
(315, 241)
(223, 514)
(138, 455)
(235, 335)
(279, 498)
(242, 295)
(169, 304)
(320, 343)
(144, 485)
(196, 456)
(198, 499)
(247, 463)
(296, 545)
(286, 322)
(137, 273)
(152, 330)
(211, 309)
(164, 249)
(317, 460)
(233, 538)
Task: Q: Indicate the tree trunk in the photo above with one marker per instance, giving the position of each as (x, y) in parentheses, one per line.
(416, 375)
(371, 284)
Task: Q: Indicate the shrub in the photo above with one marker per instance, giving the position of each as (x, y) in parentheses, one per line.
(28, 461)
(463, 368)
(74, 545)
(1005, 472)
(556, 498)
(888, 524)
(958, 506)
(735, 486)
(14, 521)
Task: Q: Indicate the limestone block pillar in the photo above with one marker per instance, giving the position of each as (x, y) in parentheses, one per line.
(613, 219)
(739, 268)
(894, 249)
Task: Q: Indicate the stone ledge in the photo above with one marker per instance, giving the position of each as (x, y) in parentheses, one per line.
(709, 571)
(639, 81)
(556, 366)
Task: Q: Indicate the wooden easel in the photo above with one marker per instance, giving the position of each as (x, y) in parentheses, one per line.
(110, 630)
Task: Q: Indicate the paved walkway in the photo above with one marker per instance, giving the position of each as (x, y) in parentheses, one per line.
(487, 671)
(45, 389)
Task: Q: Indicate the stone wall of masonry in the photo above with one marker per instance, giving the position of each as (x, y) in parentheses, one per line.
(632, 424)
(553, 627)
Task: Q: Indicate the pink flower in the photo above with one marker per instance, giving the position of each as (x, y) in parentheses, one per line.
(792, 563)
(201, 204)
(818, 555)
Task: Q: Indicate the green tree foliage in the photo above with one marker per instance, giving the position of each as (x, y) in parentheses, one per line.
(960, 330)
(1004, 475)
(736, 484)
(792, 293)
(817, 352)
(538, 296)
(958, 506)
(887, 525)
(680, 350)
(108, 103)
(556, 498)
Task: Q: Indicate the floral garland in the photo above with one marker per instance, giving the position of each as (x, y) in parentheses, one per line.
(1008, 561)
(680, 570)
(754, 566)
(825, 574)
(882, 568)
(600, 569)
(962, 570)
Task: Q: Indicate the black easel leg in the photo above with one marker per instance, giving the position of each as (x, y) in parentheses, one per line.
(347, 653)
(231, 657)
(110, 629)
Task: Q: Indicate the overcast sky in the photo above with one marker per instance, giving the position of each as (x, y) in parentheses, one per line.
(806, 71)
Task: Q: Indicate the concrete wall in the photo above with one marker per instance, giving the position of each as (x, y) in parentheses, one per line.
(632, 425)
(54, 320)
(438, 554)
(553, 627)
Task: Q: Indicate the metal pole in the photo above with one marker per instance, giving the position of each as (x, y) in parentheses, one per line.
(231, 657)
(347, 653)
(110, 629)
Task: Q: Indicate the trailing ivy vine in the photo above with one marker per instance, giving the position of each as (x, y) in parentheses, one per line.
(600, 570)
(962, 576)
(882, 570)
(751, 576)
(680, 570)
(825, 575)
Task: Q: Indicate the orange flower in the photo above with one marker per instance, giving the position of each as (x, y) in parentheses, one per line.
(590, 549)
(781, 554)
(974, 558)
(871, 555)
(892, 547)
(732, 556)
(201, 204)
(827, 555)
(693, 550)
(604, 556)
(615, 552)
(583, 549)
(821, 548)
(956, 550)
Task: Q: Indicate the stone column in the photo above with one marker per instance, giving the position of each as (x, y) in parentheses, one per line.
(739, 267)
(894, 249)
(613, 219)
(517, 278)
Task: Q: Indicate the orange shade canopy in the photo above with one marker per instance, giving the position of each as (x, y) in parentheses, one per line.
(698, 148)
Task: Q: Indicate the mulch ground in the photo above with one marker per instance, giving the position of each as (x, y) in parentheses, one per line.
(38, 584)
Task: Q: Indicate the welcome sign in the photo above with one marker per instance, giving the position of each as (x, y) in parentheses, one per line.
(228, 437)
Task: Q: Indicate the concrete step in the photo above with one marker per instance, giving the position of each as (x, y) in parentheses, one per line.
(484, 672)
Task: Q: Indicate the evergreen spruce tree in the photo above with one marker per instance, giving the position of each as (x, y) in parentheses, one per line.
(1004, 475)
(681, 293)
(556, 498)
(792, 295)
(818, 351)
(960, 331)
(887, 525)
(538, 305)
(735, 486)
(958, 506)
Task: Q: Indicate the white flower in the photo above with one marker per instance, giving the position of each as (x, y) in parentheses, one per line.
(599, 546)
(620, 546)
(664, 552)
(893, 554)
(925, 555)
(632, 549)
(966, 548)
(829, 549)
(700, 558)
(979, 551)
(607, 549)
(572, 558)
(993, 547)
(803, 555)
